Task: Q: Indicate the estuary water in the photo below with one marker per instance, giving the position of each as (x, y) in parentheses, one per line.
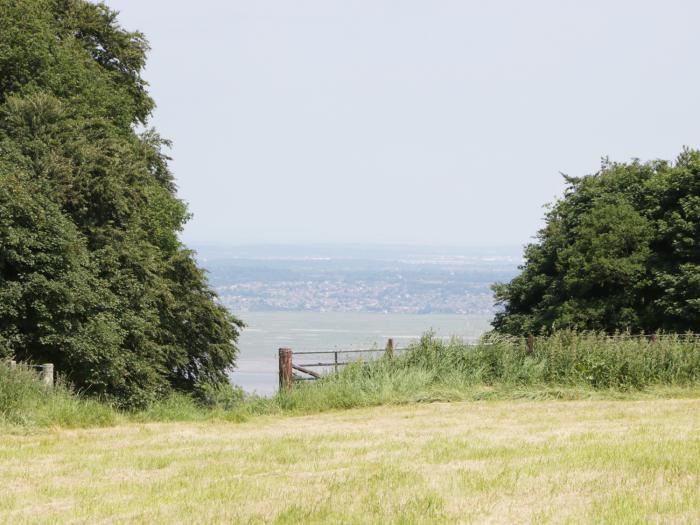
(266, 332)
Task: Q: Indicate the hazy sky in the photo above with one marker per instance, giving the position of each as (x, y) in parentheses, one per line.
(439, 122)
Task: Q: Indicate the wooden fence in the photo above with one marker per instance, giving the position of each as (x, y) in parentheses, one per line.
(287, 367)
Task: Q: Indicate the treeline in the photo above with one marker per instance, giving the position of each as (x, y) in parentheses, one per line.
(619, 252)
(92, 275)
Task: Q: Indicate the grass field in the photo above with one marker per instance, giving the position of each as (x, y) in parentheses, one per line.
(495, 461)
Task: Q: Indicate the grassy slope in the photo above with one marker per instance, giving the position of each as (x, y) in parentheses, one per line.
(522, 461)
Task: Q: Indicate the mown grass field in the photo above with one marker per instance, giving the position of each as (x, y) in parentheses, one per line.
(494, 461)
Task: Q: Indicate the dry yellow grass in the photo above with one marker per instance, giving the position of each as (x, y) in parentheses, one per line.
(517, 462)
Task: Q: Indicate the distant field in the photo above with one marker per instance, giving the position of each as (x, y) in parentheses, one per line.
(543, 461)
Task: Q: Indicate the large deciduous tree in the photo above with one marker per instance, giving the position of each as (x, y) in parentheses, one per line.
(620, 251)
(92, 275)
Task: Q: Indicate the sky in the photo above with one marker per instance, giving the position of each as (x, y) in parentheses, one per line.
(429, 122)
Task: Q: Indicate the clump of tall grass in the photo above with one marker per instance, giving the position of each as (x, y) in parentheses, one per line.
(563, 365)
(564, 358)
(26, 401)
(359, 385)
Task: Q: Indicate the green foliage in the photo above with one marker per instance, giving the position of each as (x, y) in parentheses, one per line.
(25, 401)
(564, 365)
(619, 252)
(223, 396)
(590, 360)
(92, 275)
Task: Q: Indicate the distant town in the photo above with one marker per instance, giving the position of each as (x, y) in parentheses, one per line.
(382, 282)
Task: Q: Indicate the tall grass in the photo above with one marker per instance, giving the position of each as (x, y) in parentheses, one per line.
(26, 401)
(565, 358)
(564, 365)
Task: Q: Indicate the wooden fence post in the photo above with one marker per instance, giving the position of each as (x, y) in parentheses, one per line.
(530, 343)
(47, 374)
(285, 368)
(13, 364)
(389, 352)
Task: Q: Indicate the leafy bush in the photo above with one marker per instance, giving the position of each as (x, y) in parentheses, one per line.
(92, 275)
(620, 251)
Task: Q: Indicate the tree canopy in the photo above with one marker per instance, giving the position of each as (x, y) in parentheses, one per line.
(620, 251)
(93, 277)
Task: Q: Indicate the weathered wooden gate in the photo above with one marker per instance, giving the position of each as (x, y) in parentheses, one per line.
(340, 358)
